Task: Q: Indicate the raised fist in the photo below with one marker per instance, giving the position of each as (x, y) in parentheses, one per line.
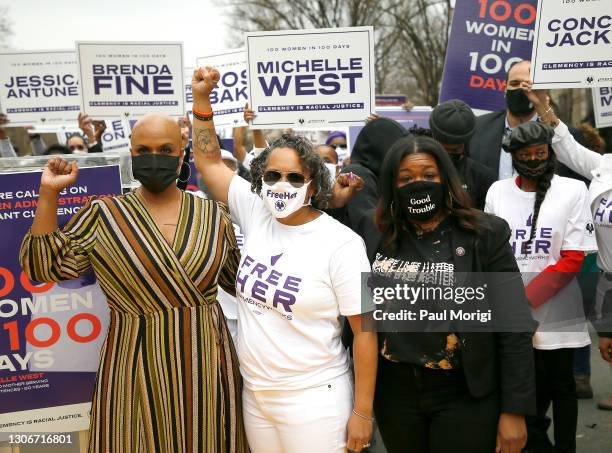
(58, 174)
(204, 80)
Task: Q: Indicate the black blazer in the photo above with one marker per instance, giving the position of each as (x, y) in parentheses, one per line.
(485, 146)
(491, 361)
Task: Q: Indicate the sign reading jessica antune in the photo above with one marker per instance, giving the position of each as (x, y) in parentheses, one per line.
(39, 87)
(123, 79)
(230, 96)
(573, 44)
(602, 105)
(311, 78)
(487, 37)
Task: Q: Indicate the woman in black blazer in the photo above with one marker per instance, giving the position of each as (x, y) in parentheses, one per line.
(449, 386)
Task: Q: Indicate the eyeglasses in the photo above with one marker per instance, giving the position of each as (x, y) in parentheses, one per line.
(297, 180)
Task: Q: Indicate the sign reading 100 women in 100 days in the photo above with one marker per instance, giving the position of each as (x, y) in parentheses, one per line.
(39, 87)
(573, 44)
(311, 78)
(127, 79)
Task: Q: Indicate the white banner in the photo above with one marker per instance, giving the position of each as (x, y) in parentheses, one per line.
(188, 93)
(116, 137)
(311, 78)
(231, 94)
(602, 105)
(573, 44)
(126, 79)
(39, 87)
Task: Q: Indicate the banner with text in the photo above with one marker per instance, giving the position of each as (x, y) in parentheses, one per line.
(602, 106)
(230, 96)
(39, 87)
(311, 78)
(116, 137)
(573, 44)
(52, 332)
(124, 79)
(486, 38)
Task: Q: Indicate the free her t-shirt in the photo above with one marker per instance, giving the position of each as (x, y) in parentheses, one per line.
(292, 285)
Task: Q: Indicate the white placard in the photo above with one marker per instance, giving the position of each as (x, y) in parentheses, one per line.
(116, 137)
(573, 44)
(602, 106)
(231, 94)
(39, 87)
(311, 78)
(128, 79)
(188, 93)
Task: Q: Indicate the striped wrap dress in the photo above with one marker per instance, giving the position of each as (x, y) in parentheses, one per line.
(168, 379)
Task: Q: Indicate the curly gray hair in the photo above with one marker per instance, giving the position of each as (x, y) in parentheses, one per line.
(310, 160)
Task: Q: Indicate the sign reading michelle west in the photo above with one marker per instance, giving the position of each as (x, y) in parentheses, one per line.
(39, 87)
(602, 105)
(230, 96)
(487, 37)
(311, 78)
(123, 79)
(573, 44)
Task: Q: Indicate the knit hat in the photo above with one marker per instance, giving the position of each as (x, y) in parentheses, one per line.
(452, 122)
(333, 135)
(528, 134)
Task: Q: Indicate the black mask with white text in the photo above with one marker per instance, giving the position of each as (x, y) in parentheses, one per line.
(421, 200)
(155, 171)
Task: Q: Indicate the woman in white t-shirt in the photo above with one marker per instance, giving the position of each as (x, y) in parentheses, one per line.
(551, 230)
(300, 272)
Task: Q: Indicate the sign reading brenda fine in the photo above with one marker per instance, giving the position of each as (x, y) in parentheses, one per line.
(487, 37)
(313, 78)
(230, 96)
(51, 332)
(573, 44)
(126, 79)
(602, 105)
(39, 87)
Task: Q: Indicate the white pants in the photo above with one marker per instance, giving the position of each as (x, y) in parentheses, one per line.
(312, 420)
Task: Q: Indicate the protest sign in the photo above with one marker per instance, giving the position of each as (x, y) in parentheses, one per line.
(311, 78)
(39, 87)
(188, 93)
(573, 44)
(52, 332)
(418, 116)
(486, 38)
(602, 106)
(230, 96)
(126, 79)
(385, 100)
(116, 137)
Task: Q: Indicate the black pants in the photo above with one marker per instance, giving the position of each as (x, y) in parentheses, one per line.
(554, 385)
(431, 411)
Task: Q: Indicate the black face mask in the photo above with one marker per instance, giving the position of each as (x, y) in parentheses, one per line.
(155, 171)
(518, 103)
(531, 169)
(421, 200)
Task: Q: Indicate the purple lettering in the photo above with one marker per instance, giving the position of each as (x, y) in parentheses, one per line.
(258, 291)
(98, 83)
(302, 82)
(259, 269)
(292, 283)
(275, 85)
(241, 279)
(283, 298)
(273, 277)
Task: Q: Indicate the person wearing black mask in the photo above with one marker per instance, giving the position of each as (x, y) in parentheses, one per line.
(462, 388)
(552, 230)
(159, 254)
(486, 143)
(453, 123)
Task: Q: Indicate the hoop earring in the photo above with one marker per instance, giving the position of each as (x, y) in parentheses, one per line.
(188, 173)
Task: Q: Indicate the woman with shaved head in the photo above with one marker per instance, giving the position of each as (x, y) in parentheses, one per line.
(168, 379)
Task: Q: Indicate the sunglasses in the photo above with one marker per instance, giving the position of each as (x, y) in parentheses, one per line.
(297, 180)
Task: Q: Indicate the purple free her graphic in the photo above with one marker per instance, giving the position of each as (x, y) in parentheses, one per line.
(268, 283)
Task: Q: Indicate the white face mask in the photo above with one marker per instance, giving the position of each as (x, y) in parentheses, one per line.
(282, 199)
(331, 168)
